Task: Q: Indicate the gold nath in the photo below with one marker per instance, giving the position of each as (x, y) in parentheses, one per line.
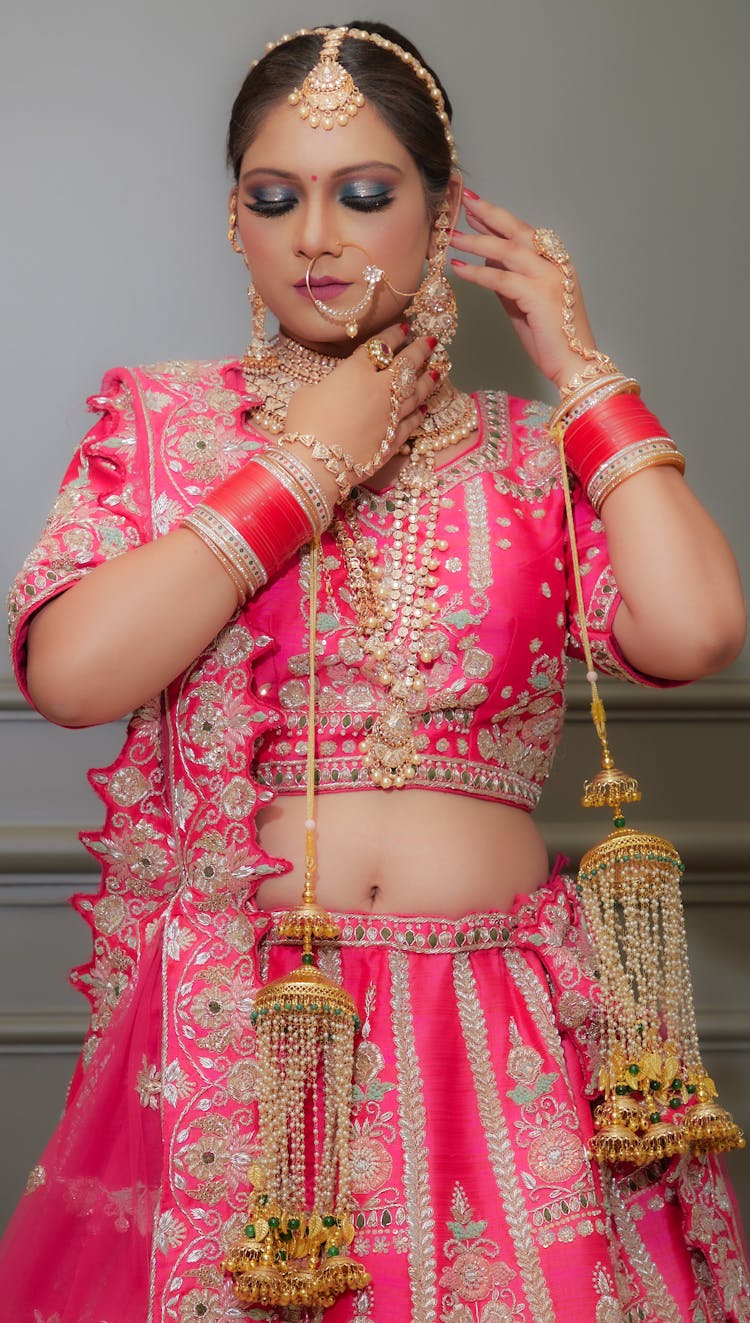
(329, 95)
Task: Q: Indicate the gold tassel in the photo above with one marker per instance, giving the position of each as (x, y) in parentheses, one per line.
(658, 1097)
(299, 1225)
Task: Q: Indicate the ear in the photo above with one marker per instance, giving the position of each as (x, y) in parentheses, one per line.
(450, 205)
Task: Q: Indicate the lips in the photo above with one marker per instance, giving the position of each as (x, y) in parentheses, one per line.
(324, 287)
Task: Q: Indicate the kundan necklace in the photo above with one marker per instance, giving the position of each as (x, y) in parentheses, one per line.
(393, 603)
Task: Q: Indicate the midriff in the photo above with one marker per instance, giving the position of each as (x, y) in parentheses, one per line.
(405, 852)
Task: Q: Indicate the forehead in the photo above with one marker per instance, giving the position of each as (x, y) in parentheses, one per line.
(285, 142)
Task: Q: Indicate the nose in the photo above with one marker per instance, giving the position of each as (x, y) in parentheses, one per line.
(316, 234)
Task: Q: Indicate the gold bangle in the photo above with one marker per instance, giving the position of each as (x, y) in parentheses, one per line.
(228, 547)
(586, 396)
(644, 455)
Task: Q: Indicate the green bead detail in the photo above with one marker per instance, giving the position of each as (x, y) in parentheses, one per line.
(250, 1231)
(676, 1084)
(294, 1224)
(654, 1085)
(307, 958)
(674, 1103)
(692, 1088)
(333, 1251)
(655, 1117)
(634, 1070)
(274, 1223)
(622, 1089)
(329, 1221)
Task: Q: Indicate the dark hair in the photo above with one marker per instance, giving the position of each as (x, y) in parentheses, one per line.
(384, 80)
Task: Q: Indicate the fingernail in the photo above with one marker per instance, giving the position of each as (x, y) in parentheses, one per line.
(435, 375)
(432, 341)
(405, 327)
(469, 193)
(456, 261)
(423, 408)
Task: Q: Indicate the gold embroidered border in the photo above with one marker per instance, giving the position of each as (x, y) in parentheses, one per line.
(422, 1262)
(499, 1148)
(480, 559)
(538, 1004)
(652, 1282)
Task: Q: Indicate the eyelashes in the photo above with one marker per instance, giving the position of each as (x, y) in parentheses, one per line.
(269, 202)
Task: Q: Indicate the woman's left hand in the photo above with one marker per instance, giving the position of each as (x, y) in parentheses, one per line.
(529, 287)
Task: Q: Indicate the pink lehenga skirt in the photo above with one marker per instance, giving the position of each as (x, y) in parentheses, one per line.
(476, 1202)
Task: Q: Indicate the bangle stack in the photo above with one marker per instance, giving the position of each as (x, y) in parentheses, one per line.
(609, 435)
(256, 519)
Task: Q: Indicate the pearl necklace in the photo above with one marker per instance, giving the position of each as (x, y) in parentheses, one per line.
(394, 605)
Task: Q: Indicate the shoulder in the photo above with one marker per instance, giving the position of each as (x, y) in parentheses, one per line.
(153, 386)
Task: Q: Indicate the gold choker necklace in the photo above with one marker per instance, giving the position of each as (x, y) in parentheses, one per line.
(284, 366)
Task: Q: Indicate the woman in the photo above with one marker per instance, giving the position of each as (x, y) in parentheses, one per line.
(176, 564)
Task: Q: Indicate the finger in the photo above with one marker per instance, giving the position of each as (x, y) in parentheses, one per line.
(498, 219)
(395, 337)
(420, 351)
(509, 254)
(507, 284)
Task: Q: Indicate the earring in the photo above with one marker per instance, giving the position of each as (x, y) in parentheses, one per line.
(433, 310)
(232, 231)
(257, 347)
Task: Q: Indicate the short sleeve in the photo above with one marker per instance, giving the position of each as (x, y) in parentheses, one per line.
(601, 597)
(102, 510)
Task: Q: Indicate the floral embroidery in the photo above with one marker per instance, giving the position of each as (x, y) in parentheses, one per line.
(148, 1085)
(475, 1270)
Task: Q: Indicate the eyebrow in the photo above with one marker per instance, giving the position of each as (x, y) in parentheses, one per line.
(337, 174)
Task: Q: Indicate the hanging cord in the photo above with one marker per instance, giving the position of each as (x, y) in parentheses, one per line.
(311, 840)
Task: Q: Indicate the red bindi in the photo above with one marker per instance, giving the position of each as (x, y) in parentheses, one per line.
(314, 178)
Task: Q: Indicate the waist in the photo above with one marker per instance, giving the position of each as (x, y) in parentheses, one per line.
(404, 852)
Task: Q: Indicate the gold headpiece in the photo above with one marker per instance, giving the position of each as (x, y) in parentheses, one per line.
(329, 95)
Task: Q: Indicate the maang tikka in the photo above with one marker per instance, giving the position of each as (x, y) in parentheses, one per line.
(257, 347)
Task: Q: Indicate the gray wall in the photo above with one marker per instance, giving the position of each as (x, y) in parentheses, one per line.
(623, 124)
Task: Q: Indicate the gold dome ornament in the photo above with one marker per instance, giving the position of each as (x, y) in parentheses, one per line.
(658, 1099)
(294, 1251)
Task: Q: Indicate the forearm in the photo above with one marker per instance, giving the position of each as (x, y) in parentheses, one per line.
(682, 615)
(125, 630)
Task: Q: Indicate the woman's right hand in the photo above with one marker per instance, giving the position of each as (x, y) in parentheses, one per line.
(351, 407)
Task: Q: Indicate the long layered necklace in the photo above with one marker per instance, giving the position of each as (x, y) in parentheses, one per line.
(394, 603)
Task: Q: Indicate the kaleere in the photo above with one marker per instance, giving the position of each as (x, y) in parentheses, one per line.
(299, 1224)
(658, 1098)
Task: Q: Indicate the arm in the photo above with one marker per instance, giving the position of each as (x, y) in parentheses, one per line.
(124, 630)
(682, 615)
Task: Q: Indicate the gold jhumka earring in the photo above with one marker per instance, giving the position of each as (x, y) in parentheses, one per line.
(433, 310)
(300, 1224)
(257, 349)
(658, 1097)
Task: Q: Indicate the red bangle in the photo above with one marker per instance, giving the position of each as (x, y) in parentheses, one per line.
(607, 429)
(264, 513)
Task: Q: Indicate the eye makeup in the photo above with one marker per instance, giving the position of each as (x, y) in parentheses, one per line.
(357, 194)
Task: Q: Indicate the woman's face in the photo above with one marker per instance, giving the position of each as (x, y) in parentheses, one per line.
(348, 197)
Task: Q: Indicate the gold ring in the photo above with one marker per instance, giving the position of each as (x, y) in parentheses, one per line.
(549, 244)
(380, 354)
